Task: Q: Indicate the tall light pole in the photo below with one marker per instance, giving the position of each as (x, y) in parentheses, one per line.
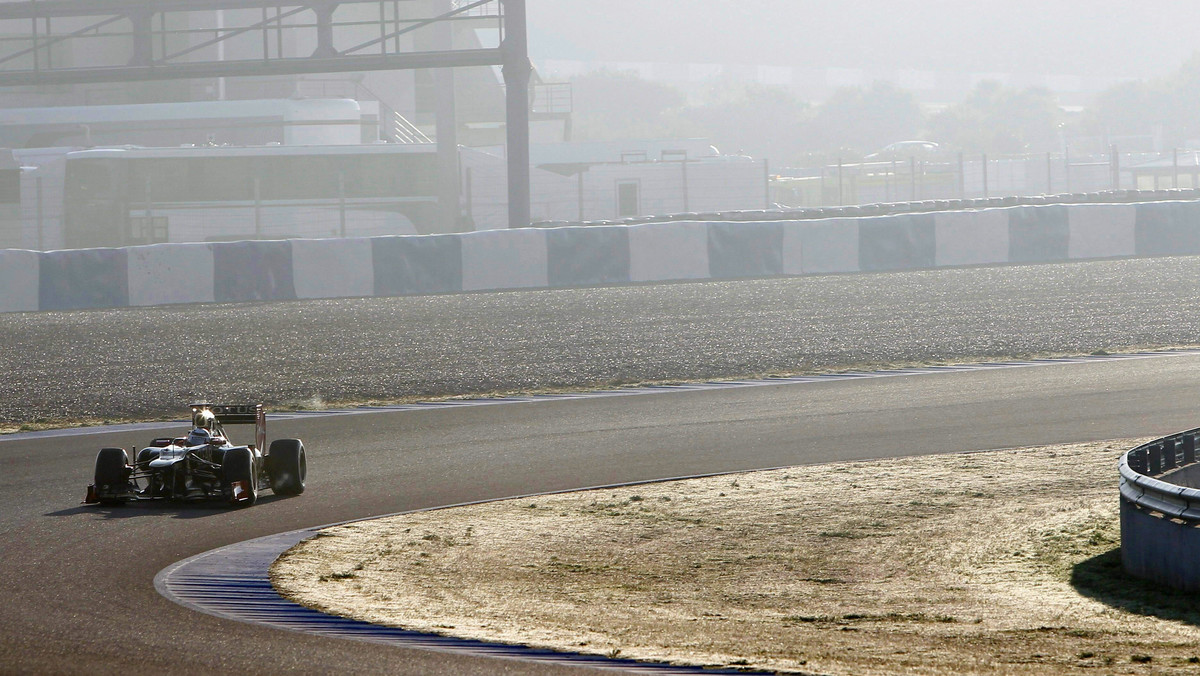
(517, 71)
(446, 121)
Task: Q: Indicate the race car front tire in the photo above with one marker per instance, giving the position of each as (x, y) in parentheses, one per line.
(287, 466)
(239, 467)
(112, 474)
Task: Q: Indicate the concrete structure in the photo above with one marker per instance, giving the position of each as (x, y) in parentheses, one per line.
(202, 193)
(237, 75)
(79, 45)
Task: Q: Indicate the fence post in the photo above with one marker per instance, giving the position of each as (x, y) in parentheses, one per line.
(768, 203)
(895, 179)
(1114, 160)
(1168, 456)
(1154, 464)
(257, 208)
(683, 171)
(37, 182)
(579, 188)
(342, 203)
(148, 219)
(841, 203)
(962, 178)
(1067, 167)
(1189, 449)
(912, 178)
(985, 177)
(1049, 174)
(468, 197)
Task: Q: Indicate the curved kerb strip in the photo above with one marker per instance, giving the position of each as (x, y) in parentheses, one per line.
(233, 582)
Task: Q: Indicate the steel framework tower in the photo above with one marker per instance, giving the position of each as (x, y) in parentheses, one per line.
(141, 40)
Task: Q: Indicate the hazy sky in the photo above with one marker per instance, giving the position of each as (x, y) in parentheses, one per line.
(1104, 38)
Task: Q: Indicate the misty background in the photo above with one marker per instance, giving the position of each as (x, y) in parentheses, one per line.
(800, 81)
(637, 109)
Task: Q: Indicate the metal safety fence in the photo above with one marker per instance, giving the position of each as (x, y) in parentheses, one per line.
(1160, 511)
(966, 176)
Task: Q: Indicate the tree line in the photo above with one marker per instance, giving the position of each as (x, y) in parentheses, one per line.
(993, 118)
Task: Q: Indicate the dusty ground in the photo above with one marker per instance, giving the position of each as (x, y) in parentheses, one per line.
(1004, 562)
(146, 363)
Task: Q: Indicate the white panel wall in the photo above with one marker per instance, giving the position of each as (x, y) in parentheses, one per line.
(830, 246)
(332, 268)
(663, 188)
(487, 197)
(519, 258)
(48, 178)
(971, 237)
(660, 188)
(19, 271)
(667, 251)
(1102, 230)
(504, 259)
(726, 185)
(164, 274)
(793, 247)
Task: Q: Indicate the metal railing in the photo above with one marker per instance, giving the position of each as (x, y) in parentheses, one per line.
(1160, 512)
(406, 132)
(1140, 466)
(488, 9)
(896, 208)
(253, 37)
(553, 98)
(915, 178)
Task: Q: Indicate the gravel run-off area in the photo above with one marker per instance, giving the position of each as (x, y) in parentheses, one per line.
(104, 365)
(1002, 562)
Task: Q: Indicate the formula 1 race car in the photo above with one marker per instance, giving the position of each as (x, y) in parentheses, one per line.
(204, 465)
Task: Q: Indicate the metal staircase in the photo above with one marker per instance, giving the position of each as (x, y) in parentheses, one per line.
(403, 131)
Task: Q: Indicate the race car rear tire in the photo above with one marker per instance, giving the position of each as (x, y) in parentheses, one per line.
(287, 466)
(112, 473)
(239, 466)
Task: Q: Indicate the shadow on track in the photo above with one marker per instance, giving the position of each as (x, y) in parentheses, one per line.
(176, 510)
(1102, 578)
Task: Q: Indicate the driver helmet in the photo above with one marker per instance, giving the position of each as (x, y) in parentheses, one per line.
(199, 437)
(204, 419)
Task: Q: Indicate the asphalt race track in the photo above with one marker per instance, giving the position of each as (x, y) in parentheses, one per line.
(78, 581)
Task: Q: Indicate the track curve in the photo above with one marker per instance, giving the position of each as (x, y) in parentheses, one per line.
(79, 580)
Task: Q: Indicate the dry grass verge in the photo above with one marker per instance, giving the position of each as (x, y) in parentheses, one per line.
(998, 562)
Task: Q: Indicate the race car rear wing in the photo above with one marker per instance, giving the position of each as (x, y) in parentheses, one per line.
(246, 414)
